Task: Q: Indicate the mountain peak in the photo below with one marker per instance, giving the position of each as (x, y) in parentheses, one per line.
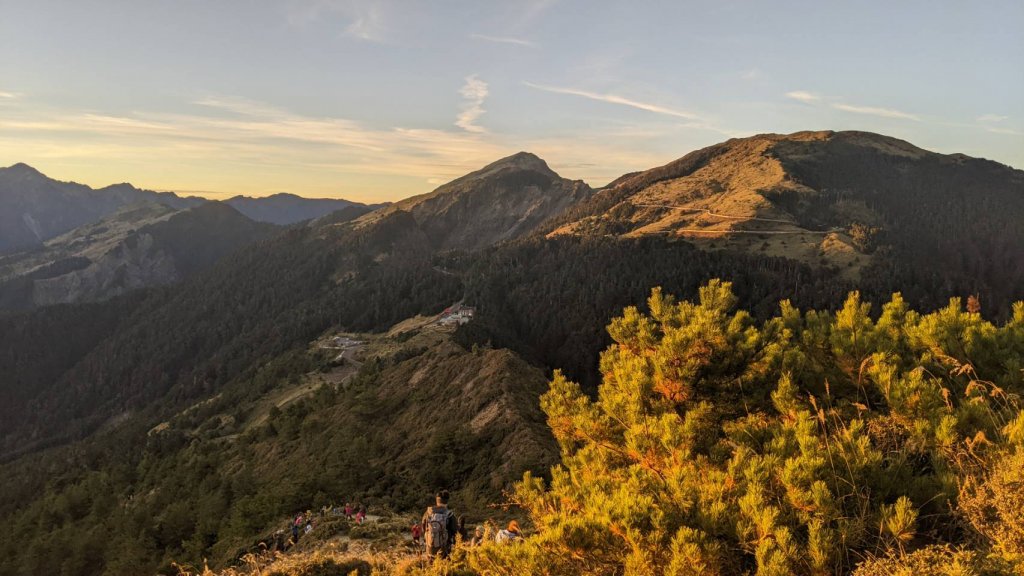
(22, 169)
(522, 161)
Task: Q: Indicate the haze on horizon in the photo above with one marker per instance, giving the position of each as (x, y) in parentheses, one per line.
(379, 100)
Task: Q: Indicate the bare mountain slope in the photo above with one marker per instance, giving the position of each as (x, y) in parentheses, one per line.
(504, 200)
(844, 199)
(138, 246)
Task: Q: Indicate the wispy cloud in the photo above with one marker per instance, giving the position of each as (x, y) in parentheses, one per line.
(1007, 131)
(615, 99)
(803, 96)
(259, 135)
(812, 98)
(239, 106)
(368, 24)
(503, 40)
(9, 95)
(992, 118)
(362, 19)
(875, 111)
(473, 92)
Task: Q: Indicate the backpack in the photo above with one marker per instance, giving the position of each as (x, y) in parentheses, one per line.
(437, 528)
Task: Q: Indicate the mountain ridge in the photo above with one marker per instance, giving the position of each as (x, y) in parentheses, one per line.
(35, 208)
(507, 199)
(138, 246)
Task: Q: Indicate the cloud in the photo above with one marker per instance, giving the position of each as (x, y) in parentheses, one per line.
(873, 111)
(803, 96)
(503, 40)
(367, 25)
(992, 118)
(474, 92)
(238, 138)
(365, 18)
(236, 145)
(1007, 131)
(614, 99)
(239, 106)
(9, 95)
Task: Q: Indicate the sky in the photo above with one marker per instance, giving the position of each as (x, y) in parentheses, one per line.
(377, 100)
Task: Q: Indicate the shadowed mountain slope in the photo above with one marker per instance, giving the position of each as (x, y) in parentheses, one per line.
(35, 208)
(505, 200)
(284, 209)
(137, 247)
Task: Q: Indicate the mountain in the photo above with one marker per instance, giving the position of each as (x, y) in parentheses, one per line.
(184, 421)
(505, 200)
(140, 245)
(284, 209)
(860, 204)
(35, 208)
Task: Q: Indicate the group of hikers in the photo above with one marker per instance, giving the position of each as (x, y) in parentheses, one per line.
(304, 522)
(440, 527)
(434, 534)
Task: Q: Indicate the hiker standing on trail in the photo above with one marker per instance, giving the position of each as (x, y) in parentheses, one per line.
(348, 510)
(361, 515)
(417, 531)
(439, 527)
(510, 534)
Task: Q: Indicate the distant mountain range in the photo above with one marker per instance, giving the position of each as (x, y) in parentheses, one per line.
(284, 209)
(35, 208)
(203, 413)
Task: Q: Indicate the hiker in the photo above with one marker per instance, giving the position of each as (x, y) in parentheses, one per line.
(295, 528)
(510, 534)
(478, 536)
(309, 526)
(361, 514)
(348, 510)
(417, 531)
(439, 527)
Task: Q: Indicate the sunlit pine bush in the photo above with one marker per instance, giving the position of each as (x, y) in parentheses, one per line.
(808, 444)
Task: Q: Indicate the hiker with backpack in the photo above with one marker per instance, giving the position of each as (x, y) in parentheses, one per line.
(295, 528)
(439, 527)
(510, 534)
